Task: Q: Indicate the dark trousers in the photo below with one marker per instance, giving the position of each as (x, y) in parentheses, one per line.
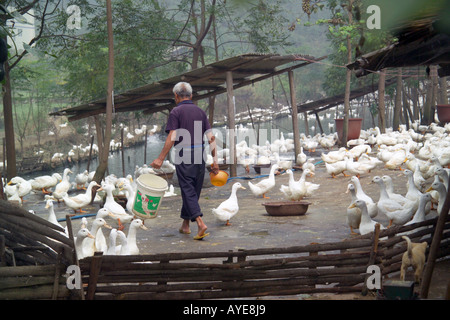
(190, 178)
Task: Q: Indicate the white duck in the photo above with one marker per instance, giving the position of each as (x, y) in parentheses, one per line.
(334, 156)
(391, 193)
(301, 157)
(295, 190)
(282, 164)
(130, 193)
(309, 164)
(45, 182)
(336, 168)
(81, 179)
(81, 200)
(440, 188)
(265, 185)
(356, 168)
(414, 194)
(366, 225)
(395, 212)
(361, 195)
(100, 240)
(82, 234)
(419, 180)
(90, 244)
(396, 160)
(228, 208)
(51, 213)
(131, 238)
(24, 186)
(170, 192)
(63, 186)
(420, 213)
(112, 248)
(354, 213)
(122, 248)
(443, 175)
(116, 209)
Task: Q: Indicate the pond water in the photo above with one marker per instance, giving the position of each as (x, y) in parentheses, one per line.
(134, 156)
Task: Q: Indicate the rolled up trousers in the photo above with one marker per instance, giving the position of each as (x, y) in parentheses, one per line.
(190, 169)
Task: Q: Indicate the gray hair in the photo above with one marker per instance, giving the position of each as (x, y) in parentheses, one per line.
(183, 90)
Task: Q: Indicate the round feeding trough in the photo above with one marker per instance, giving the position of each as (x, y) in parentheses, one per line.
(286, 208)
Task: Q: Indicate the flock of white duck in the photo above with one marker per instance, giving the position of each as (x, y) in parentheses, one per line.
(88, 241)
(424, 155)
(420, 156)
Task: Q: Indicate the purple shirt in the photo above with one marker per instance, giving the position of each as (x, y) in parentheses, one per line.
(190, 122)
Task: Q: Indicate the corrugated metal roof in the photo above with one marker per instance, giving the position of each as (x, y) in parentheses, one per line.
(205, 81)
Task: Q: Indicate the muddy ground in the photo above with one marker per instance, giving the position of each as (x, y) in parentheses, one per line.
(252, 227)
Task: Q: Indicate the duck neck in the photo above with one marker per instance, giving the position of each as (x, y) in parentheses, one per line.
(365, 215)
(131, 233)
(383, 192)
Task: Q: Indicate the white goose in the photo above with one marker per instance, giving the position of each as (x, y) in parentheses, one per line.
(228, 208)
(265, 185)
(116, 209)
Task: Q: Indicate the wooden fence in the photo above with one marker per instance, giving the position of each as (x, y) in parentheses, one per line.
(331, 267)
(34, 256)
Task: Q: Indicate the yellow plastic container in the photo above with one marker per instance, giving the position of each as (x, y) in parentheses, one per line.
(149, 194)
(219, 179)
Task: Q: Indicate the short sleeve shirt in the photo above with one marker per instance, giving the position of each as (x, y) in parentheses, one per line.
(190, 123)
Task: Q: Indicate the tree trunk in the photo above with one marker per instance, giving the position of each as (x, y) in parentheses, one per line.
(381, 102)
(11, 170)
(443, 99)
(103, 164)
(398, 101)
(348, 79)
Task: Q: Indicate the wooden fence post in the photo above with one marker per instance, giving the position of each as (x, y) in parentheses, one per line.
(96, 265)
(373, 255)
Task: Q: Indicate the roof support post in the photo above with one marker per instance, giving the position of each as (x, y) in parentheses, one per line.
(294, 115)
(231, 123)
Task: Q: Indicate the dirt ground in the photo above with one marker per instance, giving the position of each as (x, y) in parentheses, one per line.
(252, 227)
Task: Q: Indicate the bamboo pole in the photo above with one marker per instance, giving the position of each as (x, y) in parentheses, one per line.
(295, 127)
(231, 123)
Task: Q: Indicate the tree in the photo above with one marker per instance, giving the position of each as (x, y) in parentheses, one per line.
(43, 11)
(103, 165)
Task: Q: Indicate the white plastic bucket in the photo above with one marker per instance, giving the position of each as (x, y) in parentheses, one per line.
(149, 194)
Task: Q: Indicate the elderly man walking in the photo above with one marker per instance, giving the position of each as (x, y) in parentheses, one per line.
(186, 127)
